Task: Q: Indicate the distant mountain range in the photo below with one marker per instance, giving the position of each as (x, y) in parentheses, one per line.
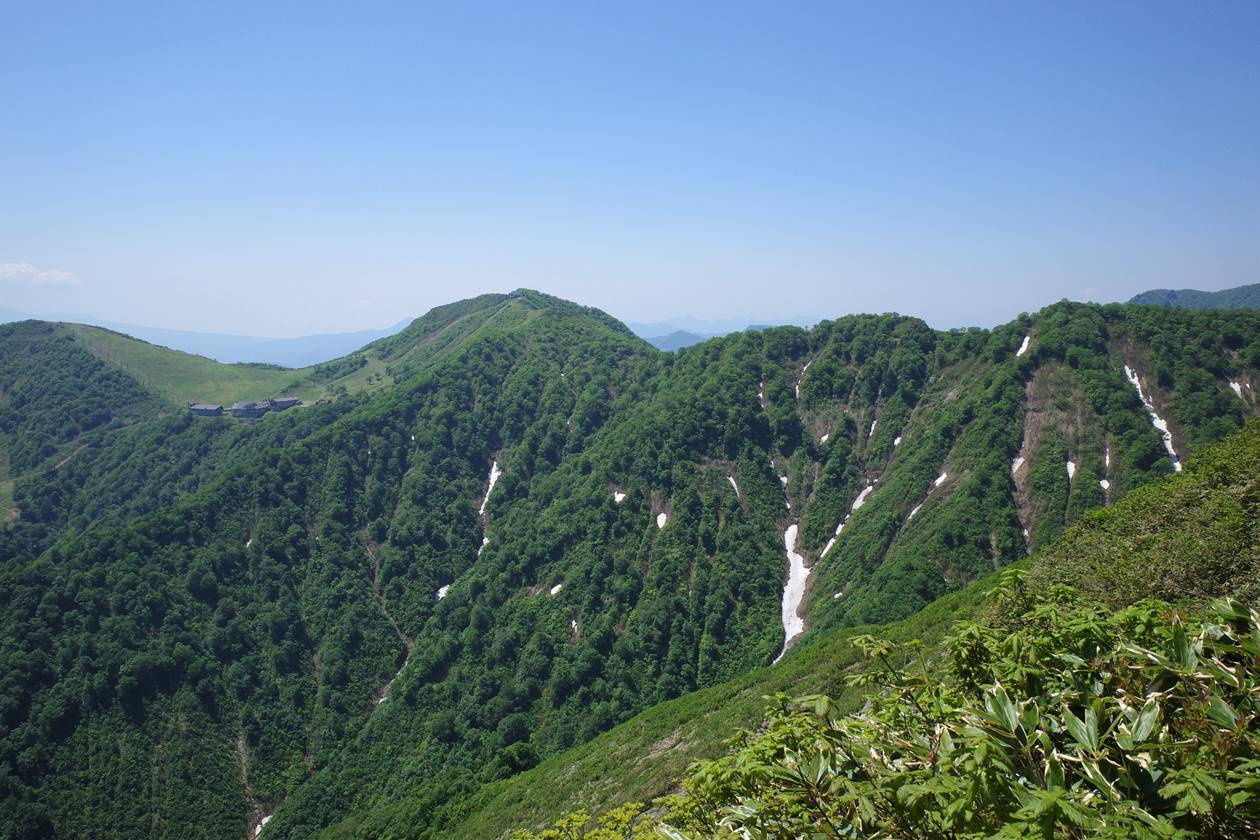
(676, 333)
(1240, 297)
(289, 352)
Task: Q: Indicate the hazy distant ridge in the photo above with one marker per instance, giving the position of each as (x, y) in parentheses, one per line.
(1240, 297)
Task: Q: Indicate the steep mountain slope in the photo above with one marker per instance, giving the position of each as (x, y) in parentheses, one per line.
(1235, 298)
(528, 526)
(1185, 539)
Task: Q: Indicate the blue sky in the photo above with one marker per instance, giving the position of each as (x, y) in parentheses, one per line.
(305, 167)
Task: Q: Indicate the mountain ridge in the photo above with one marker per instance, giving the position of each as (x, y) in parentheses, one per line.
(635, 540)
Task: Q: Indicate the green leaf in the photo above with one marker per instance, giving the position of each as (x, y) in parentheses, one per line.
(1146, 720)
(1222, 713)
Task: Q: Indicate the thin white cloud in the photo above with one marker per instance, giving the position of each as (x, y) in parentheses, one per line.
(26, 274)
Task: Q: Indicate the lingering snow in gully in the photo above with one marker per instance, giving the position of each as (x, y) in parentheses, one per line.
(661, 519)
(1023, 348)
(495, 472)
(1158, 422)
(793, 591)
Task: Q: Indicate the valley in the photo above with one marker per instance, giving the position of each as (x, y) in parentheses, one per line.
(513, 548)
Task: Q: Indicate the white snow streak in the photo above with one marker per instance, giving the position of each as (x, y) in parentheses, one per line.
(258, 829)
(1158, 422)
(861, 499)
(823, 439)
(1023, 348)
(661, 519)
(1104, 484)
(1237, 389)
(940, 479)
(783, 480)
(442, 590)
(618, 496)
(897, 441)
(913, 512)
(731, 479)
(1071, 468)
(555, 590)
(495, 472)
(799, 378)
(872, 431)
(1016, 464)
(793, 591)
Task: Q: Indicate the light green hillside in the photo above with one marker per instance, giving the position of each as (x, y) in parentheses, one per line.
(182, 377)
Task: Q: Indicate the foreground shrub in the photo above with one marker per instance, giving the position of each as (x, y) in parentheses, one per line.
(1056, 720)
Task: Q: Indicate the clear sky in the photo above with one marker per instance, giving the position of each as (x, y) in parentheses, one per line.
(306, 167)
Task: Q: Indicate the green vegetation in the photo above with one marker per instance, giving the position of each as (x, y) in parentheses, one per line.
(252, 609)
(1056, 720)
(1052, 651)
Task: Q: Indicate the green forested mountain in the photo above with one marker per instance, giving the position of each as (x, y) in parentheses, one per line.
(1184, 540)
(509, 528)
(1238, 297)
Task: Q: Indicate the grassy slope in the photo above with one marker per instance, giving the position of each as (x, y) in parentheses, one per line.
(183, 377)
(1188, 537)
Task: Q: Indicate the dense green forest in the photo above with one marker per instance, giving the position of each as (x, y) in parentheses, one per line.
(1094, 690)
(520, 528)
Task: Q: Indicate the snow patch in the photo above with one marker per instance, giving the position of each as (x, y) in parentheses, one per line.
(1016, 464)
(573, 624)
(485, 541)
(861, 499)
(249, 542)
(1023, 348)
(827, 548)
(555, 590)
(661, 519)
(1158, 422)
(1107, 458)
(619, 496)
(442, 590)
(1071, 468)
(783, 480)
(872, 431)
(824, 438)
(1104, 484)
(495, 472)
(258, 828)
(731, 479)
(793, 591)
(940, 479)
(897, 440)
(798, 389)
(913, 512)
(1237, 389)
